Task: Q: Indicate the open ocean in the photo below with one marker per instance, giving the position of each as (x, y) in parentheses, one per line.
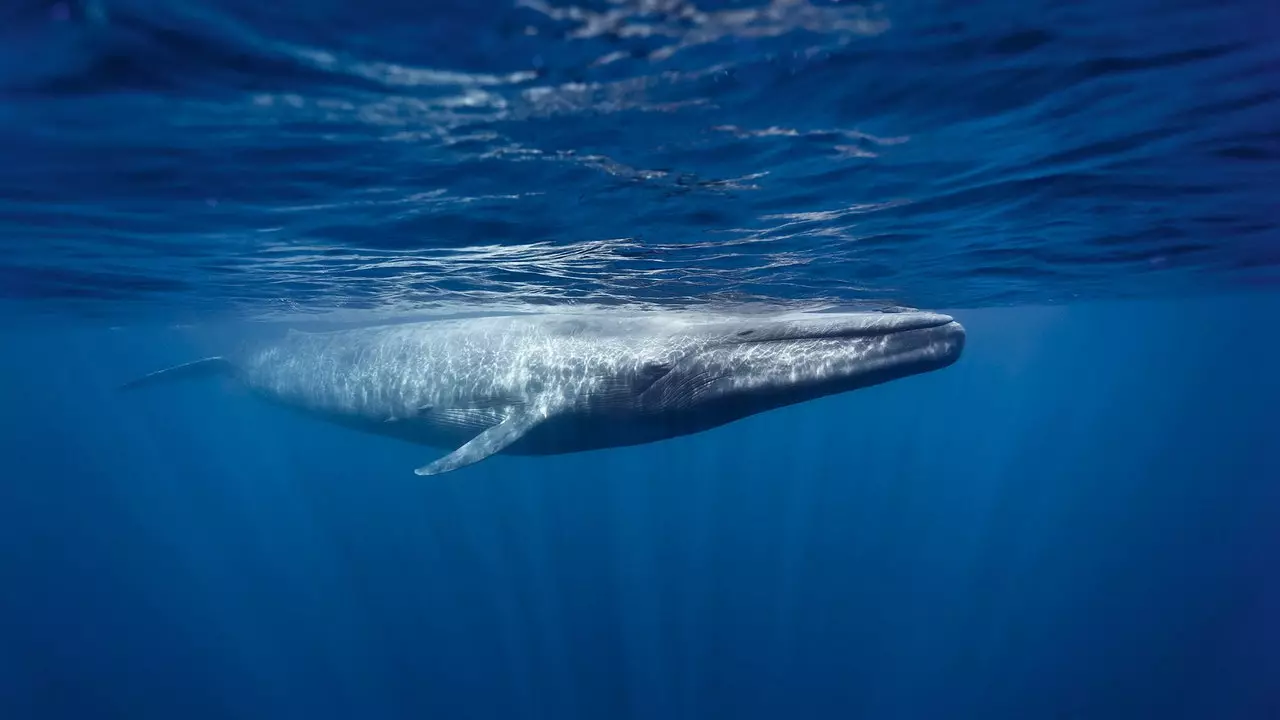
(1079, 520)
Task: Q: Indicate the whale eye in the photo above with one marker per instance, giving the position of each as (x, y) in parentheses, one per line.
(746, 333)
(650, 374)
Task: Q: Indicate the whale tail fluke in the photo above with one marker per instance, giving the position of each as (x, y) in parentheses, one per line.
(216, 366)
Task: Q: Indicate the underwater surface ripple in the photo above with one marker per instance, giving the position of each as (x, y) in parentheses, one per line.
(178, 159)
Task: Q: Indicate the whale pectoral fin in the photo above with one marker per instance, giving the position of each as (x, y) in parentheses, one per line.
(491, 441)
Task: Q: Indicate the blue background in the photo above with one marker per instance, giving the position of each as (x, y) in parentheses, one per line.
(1077, 520)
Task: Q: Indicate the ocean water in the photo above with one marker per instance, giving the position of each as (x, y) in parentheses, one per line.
(1078, 520)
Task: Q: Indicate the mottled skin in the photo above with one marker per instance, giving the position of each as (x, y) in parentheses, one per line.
(547, 384)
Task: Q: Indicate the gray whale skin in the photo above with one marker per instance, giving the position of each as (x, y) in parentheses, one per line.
(562, 383)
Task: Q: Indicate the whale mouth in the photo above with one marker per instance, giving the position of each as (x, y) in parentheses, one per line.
(788, 360)
(845, 326)
(907, 342)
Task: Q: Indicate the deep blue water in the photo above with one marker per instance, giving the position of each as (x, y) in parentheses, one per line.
(1079, 519)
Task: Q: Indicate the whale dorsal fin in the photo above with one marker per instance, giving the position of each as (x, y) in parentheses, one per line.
(519, 421)
(206, 367)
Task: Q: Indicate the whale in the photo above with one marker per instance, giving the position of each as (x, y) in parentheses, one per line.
(556, 382)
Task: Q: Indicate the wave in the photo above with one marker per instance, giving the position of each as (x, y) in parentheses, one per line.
(275, 157)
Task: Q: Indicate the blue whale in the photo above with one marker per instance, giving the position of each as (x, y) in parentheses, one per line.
(562, 383)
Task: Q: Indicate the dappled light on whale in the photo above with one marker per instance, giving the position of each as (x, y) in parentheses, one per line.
(559, 383)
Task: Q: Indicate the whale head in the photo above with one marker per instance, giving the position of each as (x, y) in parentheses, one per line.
(751, 366)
